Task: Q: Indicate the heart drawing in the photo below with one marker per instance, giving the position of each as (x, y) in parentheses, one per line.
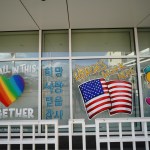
(147, 99)
(11, 89)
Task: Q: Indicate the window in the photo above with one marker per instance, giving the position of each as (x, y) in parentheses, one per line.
(19, 90)
(55, 90)
(118, 70)
(18, 45)
(144, 41)
(144, 47)
(55, 44)
(112, 42)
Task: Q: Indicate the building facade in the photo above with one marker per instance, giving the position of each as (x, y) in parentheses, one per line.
(74, 79)
(55, 65)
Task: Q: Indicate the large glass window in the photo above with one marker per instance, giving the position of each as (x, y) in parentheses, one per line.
(55, 90)
(144, 47)
(55, 44)
(145, 77)
(112, 42)
(105, 88)
(19, 90)
(144, 41)
(107, 65)
(18, 44)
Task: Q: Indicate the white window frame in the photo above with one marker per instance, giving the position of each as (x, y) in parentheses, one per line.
(70, 58)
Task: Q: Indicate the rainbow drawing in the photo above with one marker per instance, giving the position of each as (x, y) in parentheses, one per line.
(11, 89)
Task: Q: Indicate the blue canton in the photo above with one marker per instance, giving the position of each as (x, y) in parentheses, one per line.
(91, 89)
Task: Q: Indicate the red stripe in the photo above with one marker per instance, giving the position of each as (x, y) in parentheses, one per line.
(118, 81)
(105, 88)
(97, 100)
(102, 79)
(121, 96)
(104, 85)
(99, 105)
(127, 101)
(120, 100)
(121, 105)
(119, 86)
(120, 111)
(121, 91)
(101, 110)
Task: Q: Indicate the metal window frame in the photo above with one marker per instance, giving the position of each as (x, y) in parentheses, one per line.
(70, 58)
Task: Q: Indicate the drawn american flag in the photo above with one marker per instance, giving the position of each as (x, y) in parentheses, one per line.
(121, 96)
(96, 96)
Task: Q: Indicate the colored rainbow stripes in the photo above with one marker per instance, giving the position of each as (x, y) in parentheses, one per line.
(11, 89)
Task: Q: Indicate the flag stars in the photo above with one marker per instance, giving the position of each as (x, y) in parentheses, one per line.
(91, 89)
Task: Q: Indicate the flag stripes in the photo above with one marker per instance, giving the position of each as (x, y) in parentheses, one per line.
(121, 96)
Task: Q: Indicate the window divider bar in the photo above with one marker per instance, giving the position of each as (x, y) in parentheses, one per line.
(40, 81)
(147, 145)
(133, 130)
(97, 134)
(134, 145)
(46, 135)
(120, 130)
(9, 137)
(8, 147)
(54, 58)
(108, 145)
(70, 134)
(9, 132)
(19, 59)
(103, 57)
(83, 135)
(46, 146)
(145, 129)
(107, 129)
(139, 73)
(121, 145)
(33, 132)
(21, 146)
(56, 135)
(21, 132)
(33, 146)
(70, 74)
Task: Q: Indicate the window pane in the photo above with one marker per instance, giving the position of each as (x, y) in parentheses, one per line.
(145, 72)
(55, 90)
(99, 74)
(19, 44)
(19, 90)
(55, 44)
(144, 41)
(111, 42)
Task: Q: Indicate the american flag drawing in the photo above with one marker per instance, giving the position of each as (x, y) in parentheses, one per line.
(96, 96)
(99, 95)
(121, 96)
